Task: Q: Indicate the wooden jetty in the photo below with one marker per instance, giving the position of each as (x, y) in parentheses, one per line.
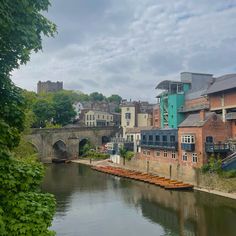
(145, 177)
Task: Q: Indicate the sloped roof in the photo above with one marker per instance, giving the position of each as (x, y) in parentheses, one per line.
(193, 120)
(222, 83)
(166, 83)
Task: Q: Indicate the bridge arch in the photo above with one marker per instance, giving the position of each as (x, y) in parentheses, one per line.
(60, 150)
(82, 146)
(105, 139)
(33, 146)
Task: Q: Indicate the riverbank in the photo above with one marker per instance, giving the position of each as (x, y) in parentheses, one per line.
(208, 188)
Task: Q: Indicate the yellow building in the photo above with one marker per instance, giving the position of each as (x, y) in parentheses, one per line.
(144, 120)
(98, 118)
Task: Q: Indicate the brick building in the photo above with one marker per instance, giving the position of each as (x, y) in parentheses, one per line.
(222, 99)
(200, 136)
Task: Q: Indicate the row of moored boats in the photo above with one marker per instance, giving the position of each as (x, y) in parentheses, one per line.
(145, 177)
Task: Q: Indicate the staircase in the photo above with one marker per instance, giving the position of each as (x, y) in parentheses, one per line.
(229, 163)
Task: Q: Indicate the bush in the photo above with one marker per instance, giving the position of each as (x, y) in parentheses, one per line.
(213, 166)
(229, 174)
(96, 155)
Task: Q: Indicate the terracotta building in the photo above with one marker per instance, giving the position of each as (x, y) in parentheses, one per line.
(200, 136)
(222, 99)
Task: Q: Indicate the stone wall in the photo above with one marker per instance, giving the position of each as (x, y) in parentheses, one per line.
(183, 173)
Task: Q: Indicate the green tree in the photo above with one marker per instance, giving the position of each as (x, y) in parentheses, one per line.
(115, 98)
(44, 112)
(21, 27)
(23, 209)
(64, 111)
(95, 96)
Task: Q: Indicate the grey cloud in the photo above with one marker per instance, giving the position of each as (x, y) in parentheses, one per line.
(127, 46)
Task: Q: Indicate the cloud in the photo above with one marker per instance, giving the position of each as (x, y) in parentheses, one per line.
(128, 46)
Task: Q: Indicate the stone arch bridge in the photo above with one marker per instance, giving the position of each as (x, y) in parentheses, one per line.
(67, 140)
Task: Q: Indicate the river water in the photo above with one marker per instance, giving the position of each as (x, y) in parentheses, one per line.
(91, 203)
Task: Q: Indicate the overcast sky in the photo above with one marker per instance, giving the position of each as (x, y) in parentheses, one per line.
(127, 46)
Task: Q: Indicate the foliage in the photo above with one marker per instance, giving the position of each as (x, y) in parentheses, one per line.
(44, 112)
(125, 154)
(11, 113)
(213, 166)
(63, 107)
(21, 27)
(228, 174)
(129, 155)
(95, 96)
(85, 147)
(23, 209)
(24, 150)
(92, 154)
(26, 210)
(115, 98)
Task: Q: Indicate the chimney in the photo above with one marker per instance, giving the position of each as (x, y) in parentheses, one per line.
(202, 115)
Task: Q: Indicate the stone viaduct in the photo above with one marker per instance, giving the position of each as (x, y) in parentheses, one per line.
(52, 143)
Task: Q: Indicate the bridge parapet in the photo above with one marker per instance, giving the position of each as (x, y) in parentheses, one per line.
(44, 139)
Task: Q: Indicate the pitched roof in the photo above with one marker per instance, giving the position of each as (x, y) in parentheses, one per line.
(222, 83)
(193, 120)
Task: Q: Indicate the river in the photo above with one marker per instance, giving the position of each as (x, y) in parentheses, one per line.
(92, 203)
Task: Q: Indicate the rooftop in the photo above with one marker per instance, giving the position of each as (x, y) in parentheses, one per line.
(222, 83)
(193, 120)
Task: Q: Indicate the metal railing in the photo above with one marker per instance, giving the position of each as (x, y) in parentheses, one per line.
(161, 145)
(219, 147)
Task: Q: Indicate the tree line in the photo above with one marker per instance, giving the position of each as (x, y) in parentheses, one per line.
(56, 109)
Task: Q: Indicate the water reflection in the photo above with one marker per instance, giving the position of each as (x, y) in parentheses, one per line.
(93, 203)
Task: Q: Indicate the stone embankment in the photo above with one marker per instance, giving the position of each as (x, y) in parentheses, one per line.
(210, 183)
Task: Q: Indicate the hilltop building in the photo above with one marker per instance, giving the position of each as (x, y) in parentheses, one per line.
(48, 86)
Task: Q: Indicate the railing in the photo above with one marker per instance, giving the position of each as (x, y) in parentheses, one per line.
(190, 147)
(161, 145)
(220, 147)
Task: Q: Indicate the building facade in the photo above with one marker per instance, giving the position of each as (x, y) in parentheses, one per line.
(98, 118)
(170, 101)
(48, 86)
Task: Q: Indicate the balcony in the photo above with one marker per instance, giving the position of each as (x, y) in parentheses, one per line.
(217, 148)
(189, 147)
(160, 145)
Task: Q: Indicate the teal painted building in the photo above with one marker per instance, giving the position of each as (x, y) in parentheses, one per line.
(170, 101)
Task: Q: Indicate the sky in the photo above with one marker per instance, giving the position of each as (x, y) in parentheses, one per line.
(127, 47)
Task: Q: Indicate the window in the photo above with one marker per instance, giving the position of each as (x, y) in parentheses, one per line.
(180, 88)
(144, 137)
(144, 152)
(157, 138)
(150, 138)
(172, 138)
(194, 156)
(187, 139)
(173, 154)
(131, 138)
(93, 117)
(209, 139)
(127, 115)
(165, 153)
(185, 156)
(148, 153)
(164, 138)
(158, 153)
